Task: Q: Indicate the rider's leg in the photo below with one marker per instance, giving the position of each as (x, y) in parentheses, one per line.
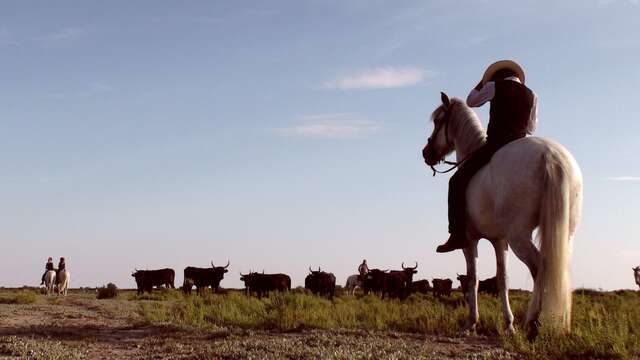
(43, 275)
(457, 197)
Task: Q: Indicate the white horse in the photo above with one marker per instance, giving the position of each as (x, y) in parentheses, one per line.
(63, 281)
(49, 282)
(636, 274)
(353, 282)
(531, 182)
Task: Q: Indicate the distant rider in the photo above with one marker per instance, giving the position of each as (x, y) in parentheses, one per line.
(363, 269)
(48, 267)
(61, 266)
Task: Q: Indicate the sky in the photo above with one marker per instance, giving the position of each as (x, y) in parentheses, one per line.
(280, 135)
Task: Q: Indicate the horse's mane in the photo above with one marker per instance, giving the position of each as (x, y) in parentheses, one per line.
(466, 125)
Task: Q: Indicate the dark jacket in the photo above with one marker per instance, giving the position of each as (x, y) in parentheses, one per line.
(510, 111)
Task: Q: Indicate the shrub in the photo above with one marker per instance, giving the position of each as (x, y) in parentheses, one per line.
(21, 298)
(107, 292)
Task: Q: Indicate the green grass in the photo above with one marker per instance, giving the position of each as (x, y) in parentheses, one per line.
(605, 325)
(21, 298)
(156, 295)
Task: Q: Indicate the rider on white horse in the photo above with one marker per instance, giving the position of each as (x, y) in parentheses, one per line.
(48, 267)
(512, 115)
(61, 266)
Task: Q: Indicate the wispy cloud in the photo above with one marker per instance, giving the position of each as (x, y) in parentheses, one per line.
(60, 37)
(379, 78)
(33, 179)
(7, 38)
(342, 125)
(187, 19)
(623, 178)
(99, 87)
(609, 2)
(479, 39)
(92, 89)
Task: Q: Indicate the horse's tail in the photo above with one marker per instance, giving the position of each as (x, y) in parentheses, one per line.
(558, 219)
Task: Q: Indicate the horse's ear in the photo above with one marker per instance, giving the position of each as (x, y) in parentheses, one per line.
(445, 99)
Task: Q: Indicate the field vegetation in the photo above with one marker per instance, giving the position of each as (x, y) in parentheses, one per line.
(20, 297)
(605, 324)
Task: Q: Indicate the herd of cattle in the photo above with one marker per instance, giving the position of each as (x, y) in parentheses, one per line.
(391, 283)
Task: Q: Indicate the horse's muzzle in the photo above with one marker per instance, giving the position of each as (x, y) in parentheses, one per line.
(428, 156)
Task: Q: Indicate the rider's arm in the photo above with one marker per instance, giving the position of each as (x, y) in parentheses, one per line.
(533, 117)
(479, 96)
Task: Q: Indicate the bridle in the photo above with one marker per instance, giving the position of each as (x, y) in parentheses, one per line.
(444, 124)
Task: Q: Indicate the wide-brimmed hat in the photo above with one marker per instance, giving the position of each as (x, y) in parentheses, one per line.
(503, 64)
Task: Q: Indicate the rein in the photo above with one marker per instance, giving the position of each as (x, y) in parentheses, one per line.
(453, 163)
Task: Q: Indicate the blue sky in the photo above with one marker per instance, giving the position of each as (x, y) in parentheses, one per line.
(282, 135)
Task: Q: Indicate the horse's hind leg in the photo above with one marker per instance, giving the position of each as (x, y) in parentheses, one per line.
(471, 255)
(500, 247)
(526, 251)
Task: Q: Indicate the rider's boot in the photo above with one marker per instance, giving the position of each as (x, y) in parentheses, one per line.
(457, 240)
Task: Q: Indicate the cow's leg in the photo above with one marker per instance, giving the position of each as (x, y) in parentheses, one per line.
(500, 247)
(471, 256)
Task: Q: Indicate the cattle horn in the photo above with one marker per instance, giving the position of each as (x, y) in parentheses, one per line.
(212, 264)
(319, 269)
(311, 271)
(410, 268)
(228, 263)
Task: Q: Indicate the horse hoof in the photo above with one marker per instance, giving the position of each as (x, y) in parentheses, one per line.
(532, 330)
(509, 331)
(468, 330)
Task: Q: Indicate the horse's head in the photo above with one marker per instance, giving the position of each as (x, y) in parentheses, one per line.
(439, 143)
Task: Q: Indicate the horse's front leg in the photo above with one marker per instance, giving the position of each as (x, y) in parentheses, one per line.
(471, 256)
(500, 246)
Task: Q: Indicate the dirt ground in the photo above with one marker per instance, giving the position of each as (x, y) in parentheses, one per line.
(80, 327)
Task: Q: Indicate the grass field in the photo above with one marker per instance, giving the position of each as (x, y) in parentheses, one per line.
(605, 324)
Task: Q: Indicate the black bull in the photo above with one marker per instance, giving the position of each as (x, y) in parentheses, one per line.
(489, 286)
(396, 283)
(420, 286)
(441, 287)
(147, 279)
(202, 278)
(321, 283)
(264, 283)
